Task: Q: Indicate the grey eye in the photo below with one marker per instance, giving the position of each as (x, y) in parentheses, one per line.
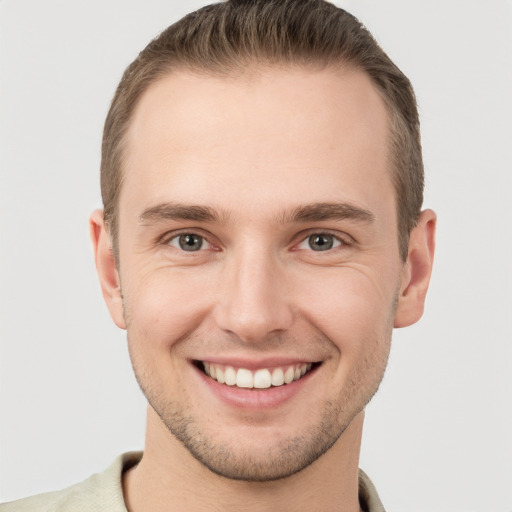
(190, 242)
(321, 242)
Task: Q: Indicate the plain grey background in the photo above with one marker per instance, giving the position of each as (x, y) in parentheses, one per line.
(438, 435)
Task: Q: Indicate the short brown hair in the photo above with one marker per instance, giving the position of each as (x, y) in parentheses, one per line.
(224, 38)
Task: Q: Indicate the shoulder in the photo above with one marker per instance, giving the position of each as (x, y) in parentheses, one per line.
(102, 491)
(368, 497)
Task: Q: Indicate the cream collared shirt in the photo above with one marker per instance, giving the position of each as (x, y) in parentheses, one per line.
(104, 492)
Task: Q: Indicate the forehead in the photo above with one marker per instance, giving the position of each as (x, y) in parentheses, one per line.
(238, 139)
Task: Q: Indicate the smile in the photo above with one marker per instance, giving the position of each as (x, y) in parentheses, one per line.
(261, 378)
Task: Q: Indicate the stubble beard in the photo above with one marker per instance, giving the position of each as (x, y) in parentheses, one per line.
(274, 462)
(284, 458)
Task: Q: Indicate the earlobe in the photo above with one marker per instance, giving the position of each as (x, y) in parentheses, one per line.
(417, 271)
(106, 268)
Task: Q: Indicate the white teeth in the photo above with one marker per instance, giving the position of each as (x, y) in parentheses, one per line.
(244, 378)
(230, 376)
(277, 377)
(288, 375)
(262, 379)
(220, 376)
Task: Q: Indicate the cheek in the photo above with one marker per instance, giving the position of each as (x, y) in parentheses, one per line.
(349, 305)
(164, 306)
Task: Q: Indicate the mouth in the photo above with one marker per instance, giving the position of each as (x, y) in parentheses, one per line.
(260, 378)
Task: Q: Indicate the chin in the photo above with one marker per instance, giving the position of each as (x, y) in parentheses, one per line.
(265, 457)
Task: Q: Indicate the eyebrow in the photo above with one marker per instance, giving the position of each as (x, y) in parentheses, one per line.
(177, 211)
(316, 212)
(329, 211)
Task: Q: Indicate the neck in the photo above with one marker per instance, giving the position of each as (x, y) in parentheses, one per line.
(169, 478)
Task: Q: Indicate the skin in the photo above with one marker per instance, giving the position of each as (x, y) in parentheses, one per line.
(255, 150)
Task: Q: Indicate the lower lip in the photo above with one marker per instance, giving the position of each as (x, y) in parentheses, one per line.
(254, 398)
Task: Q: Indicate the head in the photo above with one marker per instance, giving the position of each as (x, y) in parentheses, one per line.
(262, 183)
(224, 39)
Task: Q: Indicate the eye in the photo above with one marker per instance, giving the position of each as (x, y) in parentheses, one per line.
(189, 242)
(320, 242)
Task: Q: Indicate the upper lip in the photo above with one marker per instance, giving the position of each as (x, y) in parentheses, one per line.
(254, 364)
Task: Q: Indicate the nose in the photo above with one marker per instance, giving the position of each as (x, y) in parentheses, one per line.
(253, 302)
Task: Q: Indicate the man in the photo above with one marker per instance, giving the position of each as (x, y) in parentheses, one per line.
(261, 236)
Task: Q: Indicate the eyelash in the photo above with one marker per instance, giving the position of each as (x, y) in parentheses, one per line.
(344, 241)
(167, 238)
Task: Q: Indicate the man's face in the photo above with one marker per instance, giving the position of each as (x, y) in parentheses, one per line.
(258, 240)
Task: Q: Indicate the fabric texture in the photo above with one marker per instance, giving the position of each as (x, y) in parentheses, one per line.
(100, 492)
(104, 492)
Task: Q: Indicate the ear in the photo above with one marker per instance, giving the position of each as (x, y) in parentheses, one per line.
(417, 270)
(106, 268)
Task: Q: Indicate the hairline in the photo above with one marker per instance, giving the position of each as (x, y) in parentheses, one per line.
(248, 67)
